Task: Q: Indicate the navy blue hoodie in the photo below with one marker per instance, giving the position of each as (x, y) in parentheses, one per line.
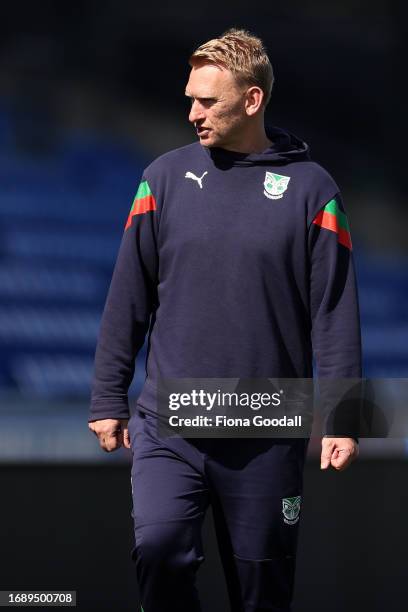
(236, 265)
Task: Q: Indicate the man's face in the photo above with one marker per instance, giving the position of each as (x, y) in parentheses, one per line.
(217, 106)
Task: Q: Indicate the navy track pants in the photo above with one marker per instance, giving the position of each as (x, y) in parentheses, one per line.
(253, 486)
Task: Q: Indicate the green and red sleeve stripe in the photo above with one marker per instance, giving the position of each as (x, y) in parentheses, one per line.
(144, 202)
(331, 217)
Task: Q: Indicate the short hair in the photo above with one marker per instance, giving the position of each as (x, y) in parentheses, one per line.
(243, 54)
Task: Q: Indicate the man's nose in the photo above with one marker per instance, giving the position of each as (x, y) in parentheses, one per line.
(196, 112)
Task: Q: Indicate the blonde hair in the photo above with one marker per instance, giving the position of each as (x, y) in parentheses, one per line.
(243, 54)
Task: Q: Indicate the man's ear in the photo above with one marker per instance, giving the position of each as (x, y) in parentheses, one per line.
(254, 100)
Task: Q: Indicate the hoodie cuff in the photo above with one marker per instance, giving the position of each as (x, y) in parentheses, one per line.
(109, 409)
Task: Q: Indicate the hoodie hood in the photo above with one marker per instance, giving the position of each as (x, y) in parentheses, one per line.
(285, 148)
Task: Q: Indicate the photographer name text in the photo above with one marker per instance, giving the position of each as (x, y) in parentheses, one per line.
(223, 421)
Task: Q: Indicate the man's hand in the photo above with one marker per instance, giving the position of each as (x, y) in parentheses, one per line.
(338, 452)
(112, 433)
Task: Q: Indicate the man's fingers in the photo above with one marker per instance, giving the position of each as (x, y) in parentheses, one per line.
(342, 457)
(326, 456)
(126, 438)
(342, 460)
(125, 433)
(110, 443)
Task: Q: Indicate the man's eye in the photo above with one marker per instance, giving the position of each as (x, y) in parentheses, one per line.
(208, 102)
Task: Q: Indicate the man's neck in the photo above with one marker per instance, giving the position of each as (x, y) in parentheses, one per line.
(255, 141)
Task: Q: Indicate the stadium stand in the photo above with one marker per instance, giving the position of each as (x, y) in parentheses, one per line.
(62, 216)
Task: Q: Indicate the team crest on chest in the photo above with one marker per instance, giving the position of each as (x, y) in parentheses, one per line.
(291, 509)
(275, 185)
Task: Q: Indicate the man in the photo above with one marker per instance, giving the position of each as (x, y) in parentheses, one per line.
(236, 258)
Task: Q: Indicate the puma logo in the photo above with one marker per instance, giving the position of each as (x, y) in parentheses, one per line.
(199, 179)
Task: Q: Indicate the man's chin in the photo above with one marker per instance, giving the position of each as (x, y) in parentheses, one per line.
(208, 140)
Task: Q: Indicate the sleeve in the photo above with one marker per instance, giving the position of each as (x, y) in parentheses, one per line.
(335, 319)
(131, 299)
